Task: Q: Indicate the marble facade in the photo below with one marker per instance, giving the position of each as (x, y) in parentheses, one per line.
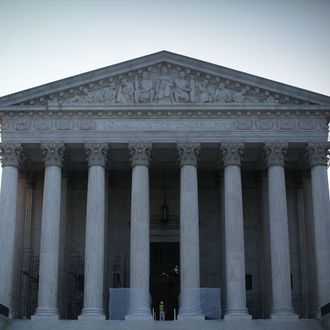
(86, 162)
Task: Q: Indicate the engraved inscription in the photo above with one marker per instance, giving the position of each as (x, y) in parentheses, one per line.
(63, 125)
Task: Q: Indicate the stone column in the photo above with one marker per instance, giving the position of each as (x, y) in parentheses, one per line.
(189, 232)
(234, 231)
(279, 232)
(11, 154)
(140, 308)
(52, 154)
(97, 154)
(317, 156)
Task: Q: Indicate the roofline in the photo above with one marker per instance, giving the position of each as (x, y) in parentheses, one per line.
(136, 63)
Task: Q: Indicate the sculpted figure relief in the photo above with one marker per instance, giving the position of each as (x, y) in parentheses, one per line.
(164, 86)
(184, 90)
(222, 94)
(85, 97)
(126, 92)
(238, 97)
(204, 95)
(144, 91)
(110, 93)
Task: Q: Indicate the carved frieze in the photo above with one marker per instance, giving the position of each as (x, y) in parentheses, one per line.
(275, 153)
(140, 153)
(11, 154)
(97, 153)
(164, 84)
(188, 153)
(231, 153)
(53, 153)
(318, 154)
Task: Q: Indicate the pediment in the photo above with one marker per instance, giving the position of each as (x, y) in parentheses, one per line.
(163, 79)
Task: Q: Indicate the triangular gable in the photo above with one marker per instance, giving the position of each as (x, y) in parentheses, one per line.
(164, 78)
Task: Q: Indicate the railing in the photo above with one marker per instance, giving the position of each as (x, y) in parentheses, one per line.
(71, 302)
(256, 305)
(26, 284)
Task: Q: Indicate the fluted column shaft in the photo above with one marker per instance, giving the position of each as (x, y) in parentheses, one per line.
(140, 243)
(10, 158)
(317, 153)
(189, 232)
(234, 231)
(50, 231)
(279, 231)
(97, 154)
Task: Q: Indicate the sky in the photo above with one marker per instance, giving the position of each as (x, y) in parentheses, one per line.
(45, 40)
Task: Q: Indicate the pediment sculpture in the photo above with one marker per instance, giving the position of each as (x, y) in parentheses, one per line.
(165, 84)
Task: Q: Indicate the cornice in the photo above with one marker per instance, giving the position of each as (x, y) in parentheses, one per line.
(166, 111)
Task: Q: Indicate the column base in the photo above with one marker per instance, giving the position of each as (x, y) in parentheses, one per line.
(284, 315)
(237, 314)
(45, 313)
(92, 314)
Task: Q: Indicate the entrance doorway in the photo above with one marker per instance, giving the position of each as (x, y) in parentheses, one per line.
(164, 279)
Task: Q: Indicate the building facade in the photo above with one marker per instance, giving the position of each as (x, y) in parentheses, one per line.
(114, 177)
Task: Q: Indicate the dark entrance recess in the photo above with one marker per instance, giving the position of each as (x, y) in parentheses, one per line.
(164, 281)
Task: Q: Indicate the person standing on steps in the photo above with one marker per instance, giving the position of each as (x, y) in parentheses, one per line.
(161, 311)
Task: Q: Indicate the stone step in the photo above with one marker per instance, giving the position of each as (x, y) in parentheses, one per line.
(168, 325)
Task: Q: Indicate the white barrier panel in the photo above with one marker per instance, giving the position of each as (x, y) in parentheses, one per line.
(124, 300)
(118, 303)
(201, 301)
(210, 303)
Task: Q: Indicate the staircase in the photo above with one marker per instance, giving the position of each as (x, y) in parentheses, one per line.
(167, 325)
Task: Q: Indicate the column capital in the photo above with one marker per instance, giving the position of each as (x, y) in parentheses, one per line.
(275, 153)
(52, 154)
(11, 154)
(231, 153)
(97, 153)
(318, 153)
(140, 153)
(188, 153)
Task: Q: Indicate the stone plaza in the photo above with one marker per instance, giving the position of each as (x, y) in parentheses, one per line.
(163, 175)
